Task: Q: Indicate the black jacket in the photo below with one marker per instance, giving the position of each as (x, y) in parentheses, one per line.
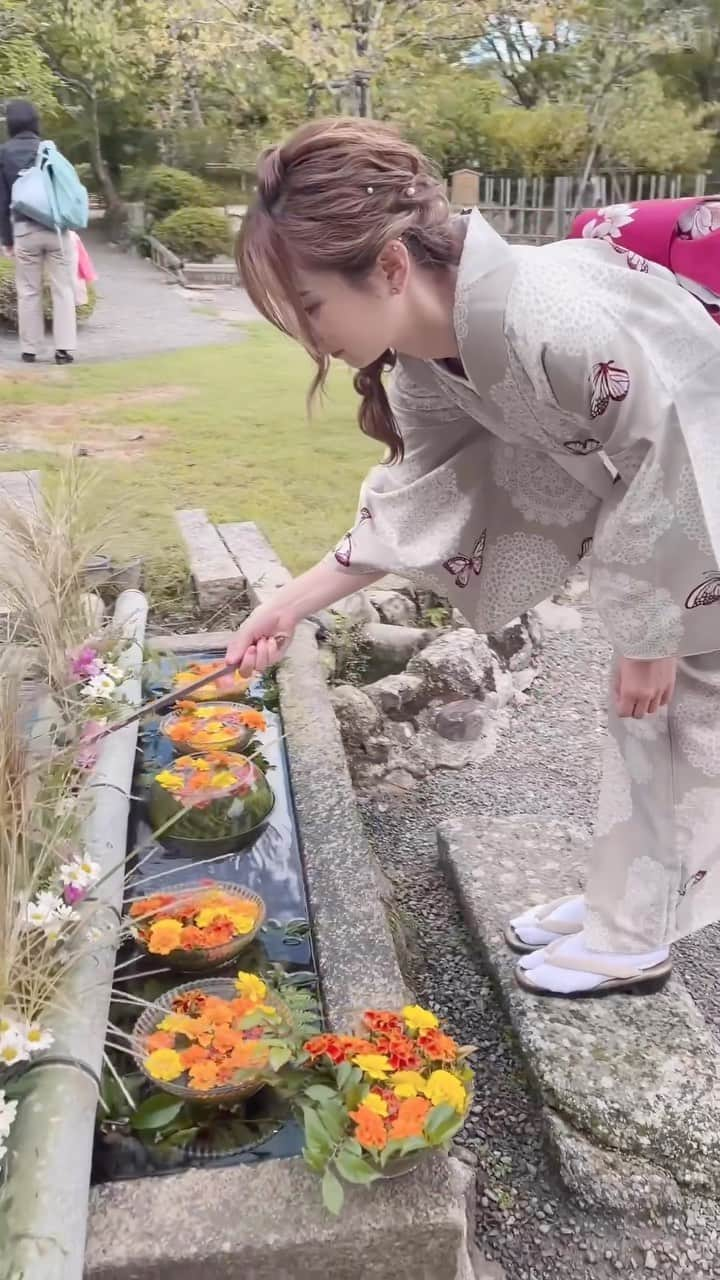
(15, 155)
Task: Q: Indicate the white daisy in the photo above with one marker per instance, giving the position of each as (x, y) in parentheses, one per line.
(80, 872)
(42, 910)
(12, 1049)
(115, 673)
(99, 687)
(7, 1024)
(37, 1038)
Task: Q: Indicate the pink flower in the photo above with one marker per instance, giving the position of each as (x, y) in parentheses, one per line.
(85, 662)
(87, 752)
(72, 893)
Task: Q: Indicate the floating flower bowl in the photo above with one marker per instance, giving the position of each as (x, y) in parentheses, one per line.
(147, 1024)
(211, 726)
(200, 959)
(219, 818)
(234, 692)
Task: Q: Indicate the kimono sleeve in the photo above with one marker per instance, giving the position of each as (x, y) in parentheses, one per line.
(412, 514)
(637, 366)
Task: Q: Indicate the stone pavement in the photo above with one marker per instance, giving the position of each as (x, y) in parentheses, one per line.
(141, 311)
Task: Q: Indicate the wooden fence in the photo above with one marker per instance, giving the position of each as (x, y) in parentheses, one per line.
(539, 210)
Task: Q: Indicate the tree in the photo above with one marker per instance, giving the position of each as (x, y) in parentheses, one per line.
(346, 45)
(24, 72)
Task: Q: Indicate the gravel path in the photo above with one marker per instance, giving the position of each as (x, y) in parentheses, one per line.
(546, 762)
(141, 312)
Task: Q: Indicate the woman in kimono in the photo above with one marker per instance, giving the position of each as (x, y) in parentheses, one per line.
(542, 400)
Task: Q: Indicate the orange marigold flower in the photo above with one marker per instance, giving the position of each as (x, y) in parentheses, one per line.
(410, 1119)
(192, 937)
(438, 1046)
(353, 1046)
(164, 937)
(371, 1132)
(218, 1011)
(201, 1030)
(191, 1002)
(225, 1071)
(189, 1057)
(254, 720)
(160, 1040)
(225, 1039)
(203, 1076)
(241, 1006)
(328, 1044)
(382, 1020)
(149, 906)
(250, 1054)
(400, 1052)
(217, 934)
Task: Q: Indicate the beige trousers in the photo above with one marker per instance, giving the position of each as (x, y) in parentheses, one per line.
(39, 252)
(655, 869)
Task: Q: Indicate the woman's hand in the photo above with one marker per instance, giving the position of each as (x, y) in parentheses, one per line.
(263, 638)
(643, 686)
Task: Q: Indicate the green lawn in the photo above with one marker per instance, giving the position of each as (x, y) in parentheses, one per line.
(226, 429)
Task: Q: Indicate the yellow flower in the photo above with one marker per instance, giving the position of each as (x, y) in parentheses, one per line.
(443, 1086)
(204, 713)
(169, 780)
(418, 1019)
(164, 937)
(164, 1064)
(242, 921)
(375, 1103)
(250, 986)
(375, 1065)
(209, 915)
(201, 765)
(224, 779)
(175, 1022)
(407, 1084)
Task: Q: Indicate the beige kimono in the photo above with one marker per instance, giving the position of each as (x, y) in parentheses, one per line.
(589, 418)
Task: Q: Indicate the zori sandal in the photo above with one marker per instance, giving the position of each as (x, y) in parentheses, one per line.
(546, 923)
(618, 975)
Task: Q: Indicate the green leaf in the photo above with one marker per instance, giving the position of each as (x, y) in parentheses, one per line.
(157, 1112)
(321, 1093)
(334, 1117)
(279, 1056)
(332, 1192)
(344, 1073)
(442, 1123)
(315, 1160)
(316, 1135)
(413, 1144)
(181, 1137)
(354, 1169)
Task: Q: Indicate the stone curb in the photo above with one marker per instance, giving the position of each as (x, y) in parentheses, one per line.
(630, 1085)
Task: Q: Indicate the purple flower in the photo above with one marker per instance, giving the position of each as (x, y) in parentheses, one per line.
(87, 752)
(72, 893)
(85, 662)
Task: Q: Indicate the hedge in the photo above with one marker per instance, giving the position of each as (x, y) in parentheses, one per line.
(195, 234)
(8, 297)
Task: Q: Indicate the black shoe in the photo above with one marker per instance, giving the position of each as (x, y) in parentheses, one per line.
(27, 357)
(63, 357)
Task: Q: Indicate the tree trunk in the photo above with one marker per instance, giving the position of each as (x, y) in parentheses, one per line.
(115, 206)
(196, 115)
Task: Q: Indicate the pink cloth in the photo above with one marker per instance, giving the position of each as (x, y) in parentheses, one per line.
(86, 270)
(682, 235)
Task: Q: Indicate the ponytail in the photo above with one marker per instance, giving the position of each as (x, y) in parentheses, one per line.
(375, 415)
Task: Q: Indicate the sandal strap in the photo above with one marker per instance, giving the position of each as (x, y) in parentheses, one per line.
(545, 919)
(604, 968)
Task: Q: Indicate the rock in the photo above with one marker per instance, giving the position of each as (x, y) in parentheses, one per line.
(358, 717)
(397, 695)
(356, 608)
(458, 619)
(558, 617)
(393, 646)
(399, 780)
(461, 721)
(514, 645)
(394, 607)
(650, 1261)
(393, 582)
(461, 664)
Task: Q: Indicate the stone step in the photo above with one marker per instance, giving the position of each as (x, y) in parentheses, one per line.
(262, 569)
(630, 1085)
(216, 577)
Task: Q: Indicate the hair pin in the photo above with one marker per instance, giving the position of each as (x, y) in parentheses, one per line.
(370, 190)
(410, 191)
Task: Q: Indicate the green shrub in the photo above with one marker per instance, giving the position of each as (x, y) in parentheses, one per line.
(197, 235)
(165, 190)
(8, 297)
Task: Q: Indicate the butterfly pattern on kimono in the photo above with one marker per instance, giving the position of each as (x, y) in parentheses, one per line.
(343, 552)
(609, 384)
(463, 567)
(691, 882)
(708, 592)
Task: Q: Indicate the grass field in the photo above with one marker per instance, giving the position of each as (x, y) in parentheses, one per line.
(222, 428)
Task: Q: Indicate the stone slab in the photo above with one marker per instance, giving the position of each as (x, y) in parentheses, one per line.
(639, 1076)
(192, 641)
(216, 577)
(21, 487)
(266, 1221)
(262, 569)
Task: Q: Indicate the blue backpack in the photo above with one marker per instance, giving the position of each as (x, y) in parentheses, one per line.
(51, 192)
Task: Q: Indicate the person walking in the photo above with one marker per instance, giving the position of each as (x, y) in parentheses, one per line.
(37, 250)
(547, 403)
